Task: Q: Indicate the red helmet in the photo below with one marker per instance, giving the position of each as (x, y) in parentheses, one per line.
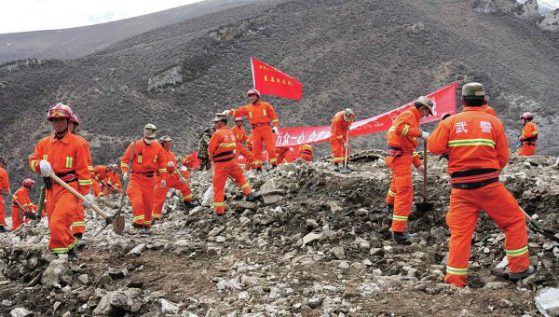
(60, 110)
(527, 116)
(28, 182)
(237, 119)
(74, 119)
(253, 92)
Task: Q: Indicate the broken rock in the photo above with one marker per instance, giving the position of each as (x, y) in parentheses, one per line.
(547, 302)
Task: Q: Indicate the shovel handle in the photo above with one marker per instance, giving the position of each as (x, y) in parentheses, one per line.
(528, 218)
(78, 195)
(424, 169)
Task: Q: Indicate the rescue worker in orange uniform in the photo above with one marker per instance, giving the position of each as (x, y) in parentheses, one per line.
(67, 156)
(4, 190)
(241, 137)
(148, 161)
(529, 135)
(21, 195)
(285, 154)
(478, 150)
(416, 161)
(402, 139)
(113, 182)
(488, 109)
(78, 225)
(264, 121)
(222, 152)
(339, 129)
(172, 179)
(305, 152)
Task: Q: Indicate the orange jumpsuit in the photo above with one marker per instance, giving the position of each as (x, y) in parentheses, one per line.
(305, 152)
(285, 155)
(148, 160)
(78, 224)
(241, 137)
(172, 179)
(478, 150)
(488, 109)
(528, 139)
(261, 115)
(416, 160)
(100, 180)
(69, 158)
(222, 152)
(22, 197)
(338, 138)
(113, 182)
(402, 141)
(4, 189)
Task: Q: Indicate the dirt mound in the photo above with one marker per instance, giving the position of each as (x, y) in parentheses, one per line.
(317, 245)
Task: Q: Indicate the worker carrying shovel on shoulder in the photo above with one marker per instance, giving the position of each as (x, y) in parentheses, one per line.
(402, 139)
(67, 156)
(478, 150)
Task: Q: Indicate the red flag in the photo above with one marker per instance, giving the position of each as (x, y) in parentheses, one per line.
(271, 81)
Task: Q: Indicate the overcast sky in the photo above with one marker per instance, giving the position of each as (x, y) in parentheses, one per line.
(31, 15)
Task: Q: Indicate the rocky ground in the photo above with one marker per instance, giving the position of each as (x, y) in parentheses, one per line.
(316, 246)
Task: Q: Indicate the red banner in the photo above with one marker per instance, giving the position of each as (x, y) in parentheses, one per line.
(444, 101)
(271, 81)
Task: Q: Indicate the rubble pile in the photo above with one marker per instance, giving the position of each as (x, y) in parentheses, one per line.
(318, 245)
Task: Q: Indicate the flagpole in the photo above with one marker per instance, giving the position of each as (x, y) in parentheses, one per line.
(252, 70)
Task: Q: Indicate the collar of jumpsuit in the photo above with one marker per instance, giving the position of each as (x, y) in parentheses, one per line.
(65, 138)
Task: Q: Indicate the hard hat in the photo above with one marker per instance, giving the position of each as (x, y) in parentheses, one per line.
(349, 114)
(113, 166)
(253, 92)
(239, 119)
(59, 110)
(74, 119)
(426, 103)
(149, 131)
(165, 138)
(527, 116)
(473, 90)
(28, 182)
(220, 117)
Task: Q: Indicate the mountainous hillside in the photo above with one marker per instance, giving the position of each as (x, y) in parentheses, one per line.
(369, 55)
(78, 42)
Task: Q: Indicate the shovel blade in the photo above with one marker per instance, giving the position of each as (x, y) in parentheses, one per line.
(424, 206)
(118, 224)
(345, 170)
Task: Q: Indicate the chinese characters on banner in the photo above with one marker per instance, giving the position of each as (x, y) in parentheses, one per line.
(271, 81)
(444, 101)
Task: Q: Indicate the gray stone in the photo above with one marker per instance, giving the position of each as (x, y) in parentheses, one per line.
(220, 239)
(20, 312)
(7, 303)
(315, 302)
(495, 285)
(334, 207)
(310, 237)
(128, 300)
(137, 250)
(551, 21)
(547, 302)
(215, 231)
(274, 294)
(208, 198)
(168, 307)
(311, 224)
(53, 275)
(84, 278)
(104, 307)
(338, 252)
(168, 77)
(271, 188)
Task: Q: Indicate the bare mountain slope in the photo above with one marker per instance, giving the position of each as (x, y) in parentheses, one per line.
(78, 42)
(369, 55)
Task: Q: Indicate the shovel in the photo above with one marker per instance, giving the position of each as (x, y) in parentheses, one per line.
(537, 228)
(424, 206)
(117, 221)
(40, 207)
(345, 169)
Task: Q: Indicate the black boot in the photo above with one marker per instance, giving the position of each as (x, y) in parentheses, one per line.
(80, 244)
(400, 238)
(390, 209)
(259, 170)
(521, 275)
(73, 254)
(336, 167)
(190, 204)
(2, 229)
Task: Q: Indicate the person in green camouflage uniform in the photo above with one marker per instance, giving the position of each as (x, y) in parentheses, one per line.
(203, 155)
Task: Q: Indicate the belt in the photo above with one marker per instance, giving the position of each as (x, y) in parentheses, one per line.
(256, 125)
(475, 185)
(146, 174)
(396, 151)
(224, 156)
(68, 177)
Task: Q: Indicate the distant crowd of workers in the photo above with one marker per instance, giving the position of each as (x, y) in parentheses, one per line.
(473, 141)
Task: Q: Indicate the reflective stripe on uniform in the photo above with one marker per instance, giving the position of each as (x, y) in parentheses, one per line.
(140, 217)
(123, 165)
(155, 159)
(472, 142)
(405, 130)
(227, 145)
(400, 218)
(187, 198)
(273, 160)
(85, 182)
(250, 114)
(78, 224)
(59, 250)
(69, 161)
(162, 170)
(339, 137)
(456, 271)
(391, 193)
(265, 112)
(245, 185)
(139, 159)
(517, 252)
(222, 204)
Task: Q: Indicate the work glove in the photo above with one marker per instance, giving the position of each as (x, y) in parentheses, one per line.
(183, 169)
(125, 176)
(46, 168)
(424, 134)
(163, 183)
(170, 166)
(275, 130)
(89, 200)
